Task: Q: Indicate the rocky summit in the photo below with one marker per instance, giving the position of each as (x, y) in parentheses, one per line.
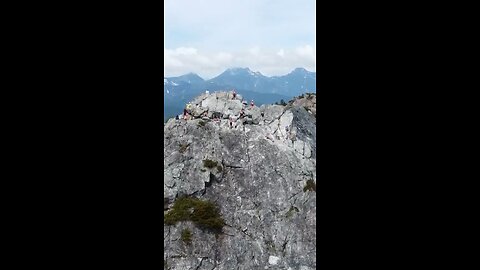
(240, 185)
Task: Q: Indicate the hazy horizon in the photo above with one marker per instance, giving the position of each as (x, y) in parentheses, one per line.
(208, 78)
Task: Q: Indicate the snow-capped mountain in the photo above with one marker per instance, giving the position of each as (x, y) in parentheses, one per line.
(296, 82)
(190, 78)
(243, 78)
(169, 82)
(293, 84)
(252, 85)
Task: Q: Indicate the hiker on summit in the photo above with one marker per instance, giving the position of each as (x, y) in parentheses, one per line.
(242, 114)
(234, 94)
(251, 103)
(187, 111)
(205, 115)
(216, 117)
(233, 119)
(244, 103)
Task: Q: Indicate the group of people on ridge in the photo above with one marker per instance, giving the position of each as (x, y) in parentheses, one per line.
(217, 116)
(187, 111)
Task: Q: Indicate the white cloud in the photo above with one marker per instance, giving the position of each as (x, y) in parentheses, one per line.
(209, 36)
(269, 62)
(219, 24)
(184, 51)
(305, 51)
(254, 51)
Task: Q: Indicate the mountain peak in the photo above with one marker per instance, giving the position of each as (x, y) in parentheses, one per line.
(300, 70)
(191, 75)
(243, 71)
(238, 70)
(188, 78)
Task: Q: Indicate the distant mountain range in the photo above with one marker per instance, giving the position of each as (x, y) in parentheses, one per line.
(177, 91)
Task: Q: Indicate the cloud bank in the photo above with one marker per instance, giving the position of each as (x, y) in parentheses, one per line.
(206, 64)
(209, 36)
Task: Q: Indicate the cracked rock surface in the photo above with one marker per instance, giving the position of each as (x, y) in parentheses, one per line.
(263, 166)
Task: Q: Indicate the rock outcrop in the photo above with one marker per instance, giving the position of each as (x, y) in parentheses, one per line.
(262, 180)
(308, 101)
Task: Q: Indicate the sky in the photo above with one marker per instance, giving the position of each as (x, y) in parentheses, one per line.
(208, 36)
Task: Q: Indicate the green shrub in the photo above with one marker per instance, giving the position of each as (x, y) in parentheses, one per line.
(310, 186)
(203, 213)
(219, 168)
(207, 163)
(187, 236)
(201, 123)
(165, 203)
(291, 211)
(270, 246)
(183, 147)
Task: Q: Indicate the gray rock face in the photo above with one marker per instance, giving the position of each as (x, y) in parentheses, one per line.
(307, 101)
(264, 164)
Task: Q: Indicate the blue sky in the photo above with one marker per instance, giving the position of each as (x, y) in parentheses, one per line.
(208, 36)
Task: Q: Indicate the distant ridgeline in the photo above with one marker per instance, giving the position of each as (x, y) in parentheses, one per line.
(178, 91)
